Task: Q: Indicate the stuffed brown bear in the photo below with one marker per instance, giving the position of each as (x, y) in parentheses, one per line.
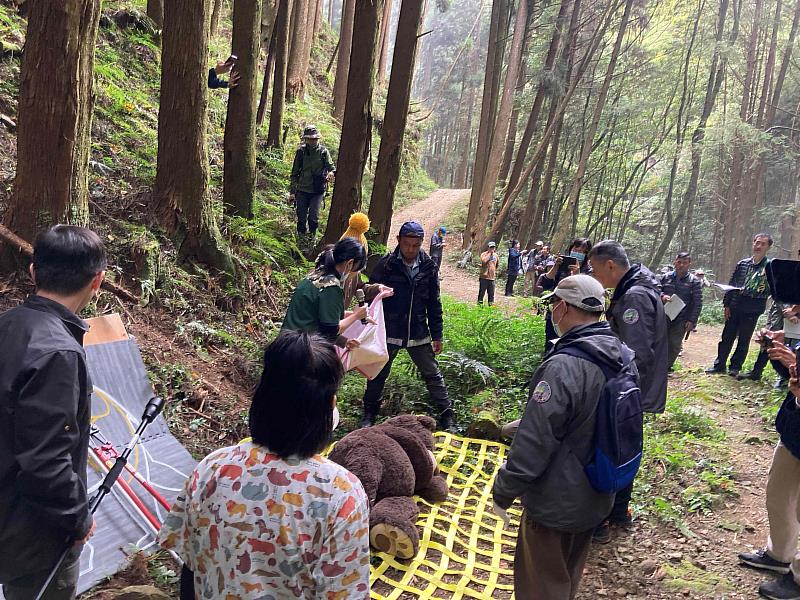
(394, 461)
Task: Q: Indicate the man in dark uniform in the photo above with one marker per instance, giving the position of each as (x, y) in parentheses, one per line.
(682, 284)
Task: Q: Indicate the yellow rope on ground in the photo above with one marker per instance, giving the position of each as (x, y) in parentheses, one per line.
(464, 552)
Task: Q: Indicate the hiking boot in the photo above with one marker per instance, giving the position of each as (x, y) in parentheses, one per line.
(602, 533)
(368, 420)
(751, 375)
(784, 588)
(734, 373)
(623, 521)
(447, 421)
(715, 371)
(761, 560)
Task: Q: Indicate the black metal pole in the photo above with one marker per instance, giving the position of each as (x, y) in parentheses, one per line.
(151, 411)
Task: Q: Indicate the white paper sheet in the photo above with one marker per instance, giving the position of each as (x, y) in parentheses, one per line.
(674, 307)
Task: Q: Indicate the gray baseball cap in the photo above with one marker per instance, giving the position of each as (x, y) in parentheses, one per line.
(580, 291)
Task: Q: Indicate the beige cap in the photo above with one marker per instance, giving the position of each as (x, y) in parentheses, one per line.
(581, 291)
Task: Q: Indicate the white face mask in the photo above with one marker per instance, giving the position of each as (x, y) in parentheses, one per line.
(335, 418)
(556, 328)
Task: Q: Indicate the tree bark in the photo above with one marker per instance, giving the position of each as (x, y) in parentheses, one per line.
(268, 68)
(495, 152)
(383, 56)
(155, 10)
(387, 171)
(343, 61)
(216, 13)
(357, 122)
(563, 230)
(181, 193)
(275, 135)
(53, 120)
(239, 174)
(486, 120)
(294, 70)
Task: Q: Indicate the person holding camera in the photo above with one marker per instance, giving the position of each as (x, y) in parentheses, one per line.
(779, 312)
(214, 82)
(488, 273)
(312, 171)
(780, 554)
(574, 262)
(682, 284)
(743, 305)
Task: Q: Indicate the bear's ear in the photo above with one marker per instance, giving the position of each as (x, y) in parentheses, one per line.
(427, 422)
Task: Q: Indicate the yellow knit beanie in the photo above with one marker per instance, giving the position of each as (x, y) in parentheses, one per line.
(357, 226)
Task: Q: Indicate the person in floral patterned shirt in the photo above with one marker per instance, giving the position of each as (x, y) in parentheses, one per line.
(271, 519)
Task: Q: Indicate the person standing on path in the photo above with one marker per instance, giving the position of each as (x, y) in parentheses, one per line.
(687, 287)
(636, 315)
(437, 246)
(413, 317)
(45, 403)
(743, 306)
(488, 273)
(514, 266)
(312, 170)
(781, 554)
(553, 442)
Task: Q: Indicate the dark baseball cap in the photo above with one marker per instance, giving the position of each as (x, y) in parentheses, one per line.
(412, 229)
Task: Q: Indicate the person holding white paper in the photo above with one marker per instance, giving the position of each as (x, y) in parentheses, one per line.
(682, 294)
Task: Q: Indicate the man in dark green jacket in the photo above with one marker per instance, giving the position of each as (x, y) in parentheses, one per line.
(312, 170)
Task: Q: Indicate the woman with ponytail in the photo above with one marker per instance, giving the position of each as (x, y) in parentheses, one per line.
(270, 517)
(317, 305)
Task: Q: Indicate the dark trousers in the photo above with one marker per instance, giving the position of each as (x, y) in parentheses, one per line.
(548, 564)
(486, 286)
(425, 360)
(307, 206)
(512, 277)
(622, 500)
(739, 328)
(63, 587)
(437, 258)
(676, 331)
(763, 358)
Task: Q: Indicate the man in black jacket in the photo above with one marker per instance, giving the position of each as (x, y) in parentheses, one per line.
(413, 316)
(743, 306)
(636, 315)
(682, 284)
(45, 405)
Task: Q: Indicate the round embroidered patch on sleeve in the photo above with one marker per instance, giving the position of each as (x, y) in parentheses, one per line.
(630, 316)
(542, 392)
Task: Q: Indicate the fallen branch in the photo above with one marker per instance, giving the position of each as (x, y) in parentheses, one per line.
(23, 247)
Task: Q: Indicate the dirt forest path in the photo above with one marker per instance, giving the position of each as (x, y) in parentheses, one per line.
(656, 558)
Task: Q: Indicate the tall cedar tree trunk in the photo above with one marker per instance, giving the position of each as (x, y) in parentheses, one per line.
(343, 60)
(275, 134)
(383, 56)
(300, 32)
(357, 122)
(715, 76)
(563, 101)
(541, 91)
(181, 194)
(239, 178)
(268, 68)
(53, 120)
(495, 153)
(486, 120)
(565, 225)
(511, 138)
(216, 14)
(155, 10)
(387, 171)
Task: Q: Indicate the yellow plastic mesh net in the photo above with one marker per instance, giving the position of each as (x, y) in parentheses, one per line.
(464, 550)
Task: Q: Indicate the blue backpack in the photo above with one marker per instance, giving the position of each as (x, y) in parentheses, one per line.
(618, 429)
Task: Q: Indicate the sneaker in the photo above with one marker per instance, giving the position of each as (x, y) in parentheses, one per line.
(734, 373)
(784, 588)
(761, 560)
(751, 375)
(602, 533)
(624, 521)
(715, 371)
(368, 420)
